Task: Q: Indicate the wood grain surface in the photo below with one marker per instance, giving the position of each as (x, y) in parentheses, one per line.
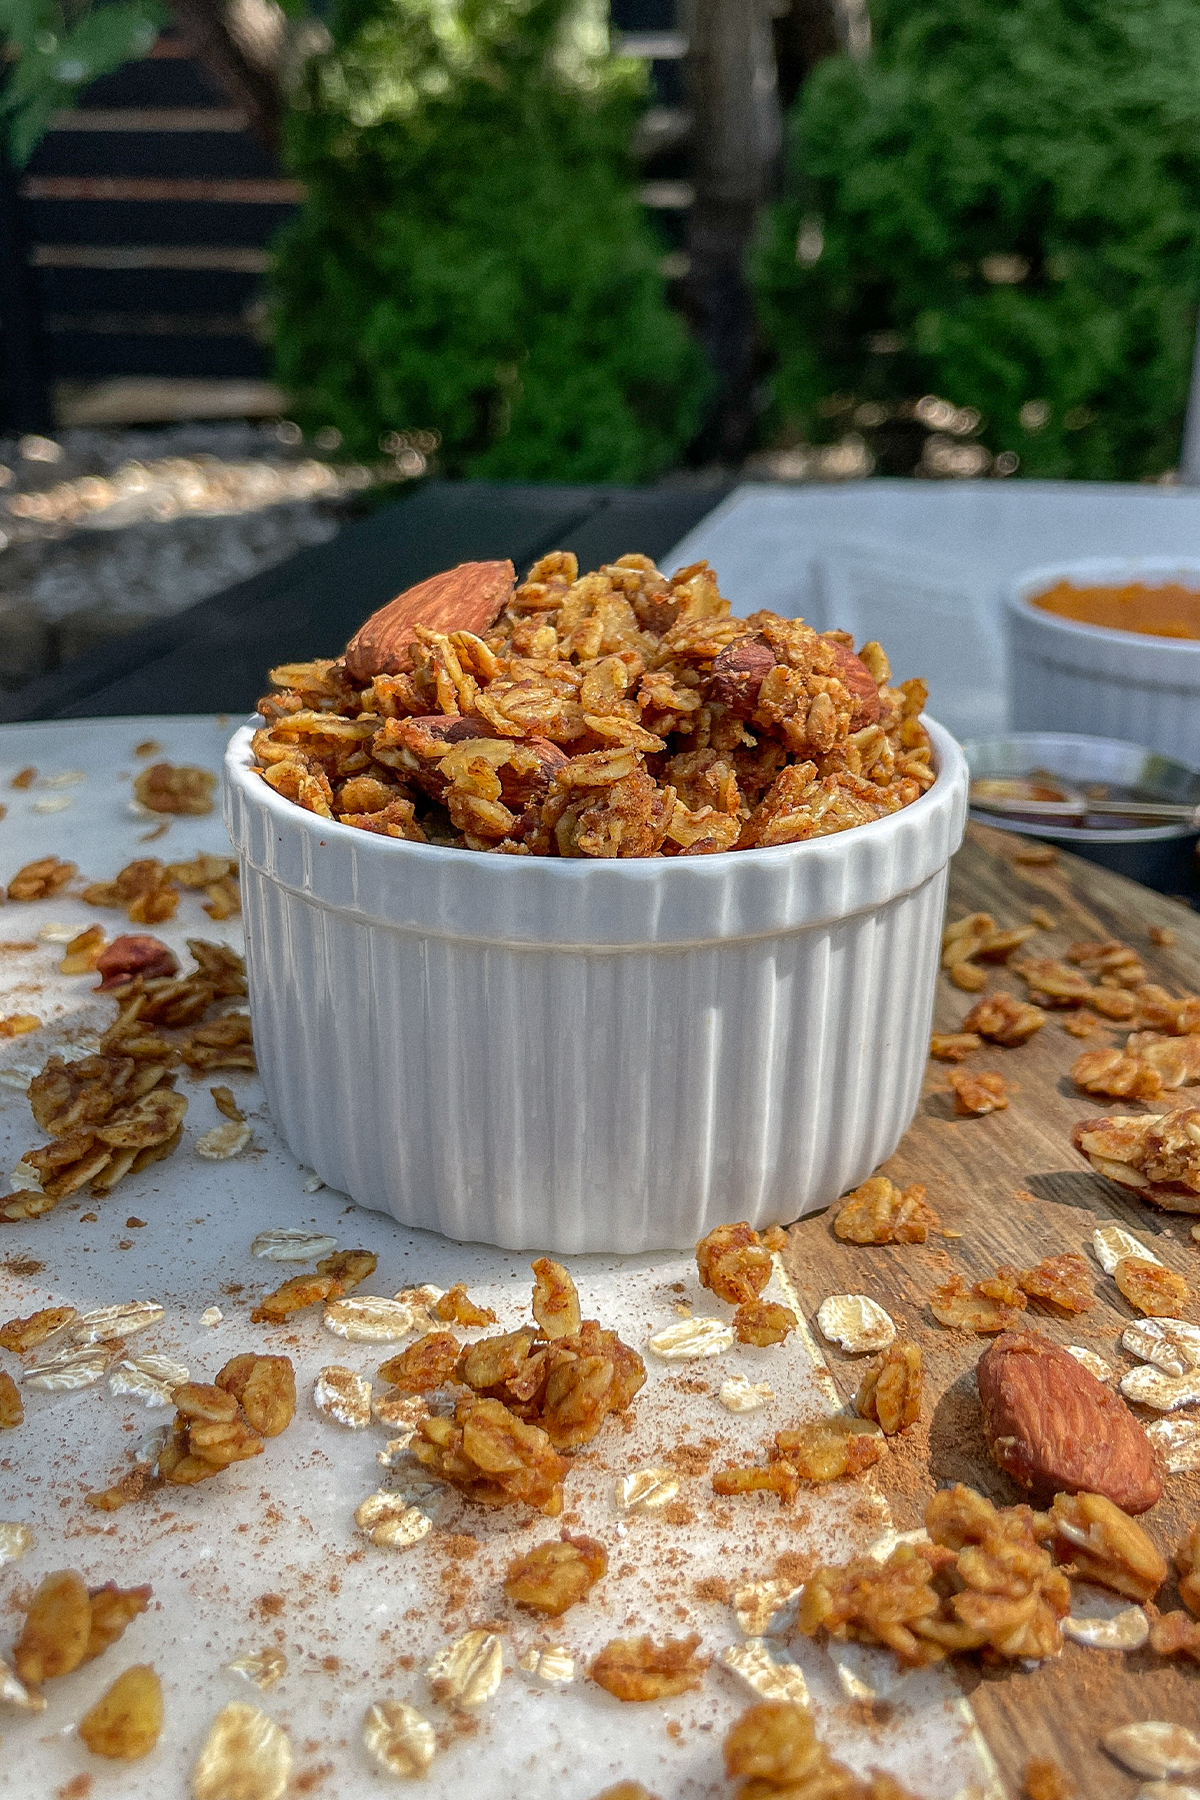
(1009, 1187)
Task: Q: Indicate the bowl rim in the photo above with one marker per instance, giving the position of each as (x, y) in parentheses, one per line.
(949, 763)
(1022, 589)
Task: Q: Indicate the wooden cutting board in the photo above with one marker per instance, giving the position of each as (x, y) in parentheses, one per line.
(972, 1169)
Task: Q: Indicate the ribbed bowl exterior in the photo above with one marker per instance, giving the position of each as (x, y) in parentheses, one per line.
(573, 1056)
(1118, 684)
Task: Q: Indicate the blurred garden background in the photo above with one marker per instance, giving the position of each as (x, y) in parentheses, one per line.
(265, 264)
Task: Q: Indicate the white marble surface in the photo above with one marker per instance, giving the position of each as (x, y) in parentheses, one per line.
(358, 1623)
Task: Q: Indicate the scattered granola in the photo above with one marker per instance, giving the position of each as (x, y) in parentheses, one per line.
(335, 1275)
(82, 953)
(825, 1450)
(1175, 1634)
(1105, 1545)
(24, 1334)
(1157, 1155)
(492, 1457)
(1061, 1281)
(344, 1396)
(764, 1674)
(425, 1365)
(993, 1304)
(692, 1339)
(555, 1303)
(556, 1575)
(456, 1308)
(983, 1581)
(739, 1395)
(775, 1747)
(1151, 1288)
(856, 1322)
(163, 788)
(12, 1410)
(645, 1490)
(265, 1387)
(467, 1672)
(1187, 1557)
(210, 1432)
(291, 1243)
(1112, 1242)
(126, 1721)
(533, 733)
(639, 1669)
(263, 1667)
(246, 1756)
(890, 1392)
(763, 1322)
(879, 1212)
(954, 1046)
(979, 1092)
(1155, 1748)
(41, 880)
(733, 1263)
(68, 1623)
(1126, 1630)
(399, 1739)
(1003, 1020)
(390, 1521)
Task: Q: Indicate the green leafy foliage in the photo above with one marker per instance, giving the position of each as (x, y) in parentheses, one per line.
(1008, 193)
(56, 49)
(471, 257)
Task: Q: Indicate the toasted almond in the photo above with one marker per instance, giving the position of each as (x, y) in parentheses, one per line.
(120, 1321)
(737, 1395)
(1127, 1630)
(263, 1667)
(1095, 1365)
(400, 1740)
(389, 1521)
(1172, 1345)
(763, 1674)
(550, 1663)
(288, 1243)
(1155, 1747)
(246, 1756)
(692, 1338)
(760, 1605)
(368, 1319)
(344, 1396)
(467, 1672)
(1177, 1442)
(224, 1141)
(15, 1540)
(645, 1490)
(1152, 1387)
(70, 1369)
(1111, 1242)
(856, 1322)
(150, 1379)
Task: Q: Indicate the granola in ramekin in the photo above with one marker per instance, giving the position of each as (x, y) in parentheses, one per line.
(613, 714)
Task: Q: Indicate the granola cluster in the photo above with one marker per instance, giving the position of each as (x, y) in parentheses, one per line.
(111, 1114)
(824, 1450)
(774, 1750)
(879, 1212)
(146, 890)
(530, 1395)
(983, 1582)
(995, 1303)
(1158, 1156)
(617, 713)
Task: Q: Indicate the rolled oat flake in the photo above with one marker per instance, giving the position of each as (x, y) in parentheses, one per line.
(1155, 1747)
(246, 1756)
(856, 1322)
(467, 1672)
(400, 1740)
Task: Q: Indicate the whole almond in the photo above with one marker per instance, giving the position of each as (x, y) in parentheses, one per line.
(740, 670)
(470, 597)
(859, 683)
(1056, 1429)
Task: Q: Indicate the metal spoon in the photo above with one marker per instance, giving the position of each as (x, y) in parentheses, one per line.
(1074, 806)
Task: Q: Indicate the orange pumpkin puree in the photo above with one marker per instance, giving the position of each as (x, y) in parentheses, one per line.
(1166, 611)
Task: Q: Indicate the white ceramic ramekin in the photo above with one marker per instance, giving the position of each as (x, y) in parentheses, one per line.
(591, 1055)
(1101, 683)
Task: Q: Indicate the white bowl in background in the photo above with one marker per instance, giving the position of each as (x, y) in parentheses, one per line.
(572, 1055)
(1088, 679)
